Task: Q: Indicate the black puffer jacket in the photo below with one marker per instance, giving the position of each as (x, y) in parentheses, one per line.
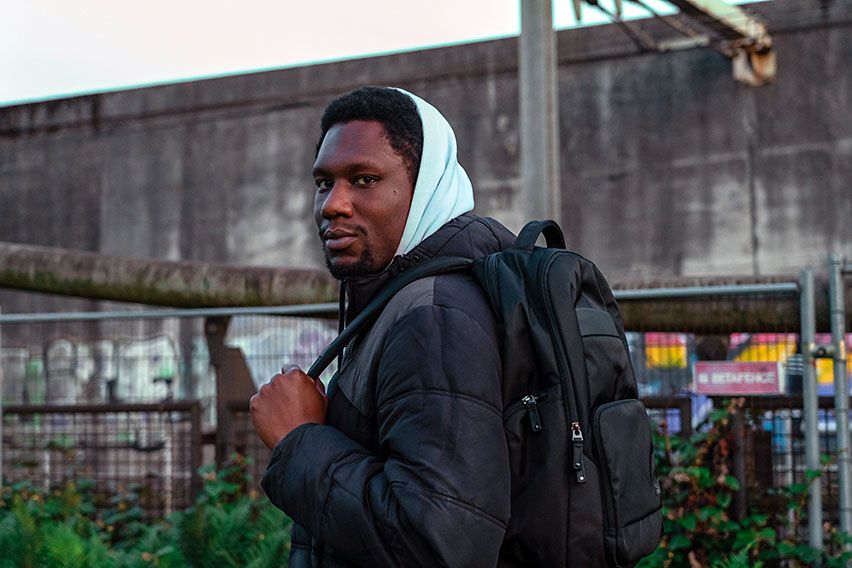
(411, 467)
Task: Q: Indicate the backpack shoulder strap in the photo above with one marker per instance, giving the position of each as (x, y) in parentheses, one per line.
(532, 230)
(429, 268)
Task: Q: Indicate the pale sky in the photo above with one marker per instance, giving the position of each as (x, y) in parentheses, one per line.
(54, 48)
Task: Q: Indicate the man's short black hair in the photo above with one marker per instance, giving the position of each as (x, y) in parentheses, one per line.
(394, 109)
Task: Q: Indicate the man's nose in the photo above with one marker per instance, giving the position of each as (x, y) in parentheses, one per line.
(338, 201)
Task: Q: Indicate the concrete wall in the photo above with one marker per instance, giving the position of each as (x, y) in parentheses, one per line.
(669, 167)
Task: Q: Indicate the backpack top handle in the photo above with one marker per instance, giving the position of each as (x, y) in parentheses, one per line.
(532, 230)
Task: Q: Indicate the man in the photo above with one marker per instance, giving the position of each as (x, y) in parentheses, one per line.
(405, 462)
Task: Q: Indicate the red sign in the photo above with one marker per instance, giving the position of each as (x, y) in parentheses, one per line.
(738, 378)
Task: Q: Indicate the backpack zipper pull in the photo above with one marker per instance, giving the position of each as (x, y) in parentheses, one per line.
(531, 404)
(577, 439)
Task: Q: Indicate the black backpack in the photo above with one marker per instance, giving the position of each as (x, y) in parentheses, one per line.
(584, 491)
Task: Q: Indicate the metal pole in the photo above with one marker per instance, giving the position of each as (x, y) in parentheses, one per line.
(540, 191)
(841, 388)
(810, 406)
(1, 404)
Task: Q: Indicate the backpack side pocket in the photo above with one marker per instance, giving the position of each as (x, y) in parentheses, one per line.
(632, 499)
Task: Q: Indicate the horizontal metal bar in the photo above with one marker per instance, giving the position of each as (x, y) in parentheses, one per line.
(173, 406)
(301, 310)
(780, 402)
(780, 288)
(762, 402)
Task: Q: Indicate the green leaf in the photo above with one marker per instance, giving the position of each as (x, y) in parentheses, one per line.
(806, 553)
(744, 538)
(732, 483)
(723, 500)
(756, 520)
(812, 474)
(679, 542)
(689, 522)
(768, 534)
(785, 549)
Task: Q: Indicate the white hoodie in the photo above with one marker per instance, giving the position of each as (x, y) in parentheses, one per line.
(443, 191)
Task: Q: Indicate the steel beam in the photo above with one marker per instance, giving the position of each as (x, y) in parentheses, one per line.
(741, 36)
(540, 191)
(730, 22)
(745, 38)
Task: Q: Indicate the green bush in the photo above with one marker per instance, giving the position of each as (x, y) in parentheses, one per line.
(700, 528)
(229, 525)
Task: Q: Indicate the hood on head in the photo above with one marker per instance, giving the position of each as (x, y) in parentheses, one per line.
(442, 191)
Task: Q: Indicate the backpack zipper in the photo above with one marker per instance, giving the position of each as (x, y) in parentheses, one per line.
(577, 440)
(571, 406)
(530, 402)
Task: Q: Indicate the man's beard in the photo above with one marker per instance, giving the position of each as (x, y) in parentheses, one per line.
(364, 266)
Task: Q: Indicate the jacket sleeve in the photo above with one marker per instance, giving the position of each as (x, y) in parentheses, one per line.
(439, 493)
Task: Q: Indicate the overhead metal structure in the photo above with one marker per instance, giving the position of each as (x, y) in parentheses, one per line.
(726, 28)
(729, 29)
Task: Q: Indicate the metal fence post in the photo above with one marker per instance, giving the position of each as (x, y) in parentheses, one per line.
(1, 404)
(810, 404)
(841, 387)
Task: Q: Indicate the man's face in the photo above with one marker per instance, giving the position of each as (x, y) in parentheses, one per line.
(362, 200)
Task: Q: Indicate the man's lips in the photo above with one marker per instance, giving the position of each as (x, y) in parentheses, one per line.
(339, 243)
(338, 240)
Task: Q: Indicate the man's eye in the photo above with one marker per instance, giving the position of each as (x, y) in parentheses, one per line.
(323, 184)
(365, 180)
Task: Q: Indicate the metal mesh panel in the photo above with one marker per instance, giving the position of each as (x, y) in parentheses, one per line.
(777, 454)
(774, 439)
(153, 449)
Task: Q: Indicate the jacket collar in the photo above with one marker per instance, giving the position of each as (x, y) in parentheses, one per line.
(458, 237)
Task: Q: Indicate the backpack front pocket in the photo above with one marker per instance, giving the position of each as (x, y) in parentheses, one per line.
(632, 499)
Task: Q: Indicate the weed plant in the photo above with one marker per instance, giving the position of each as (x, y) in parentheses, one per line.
(700, 526)
(229, 525)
